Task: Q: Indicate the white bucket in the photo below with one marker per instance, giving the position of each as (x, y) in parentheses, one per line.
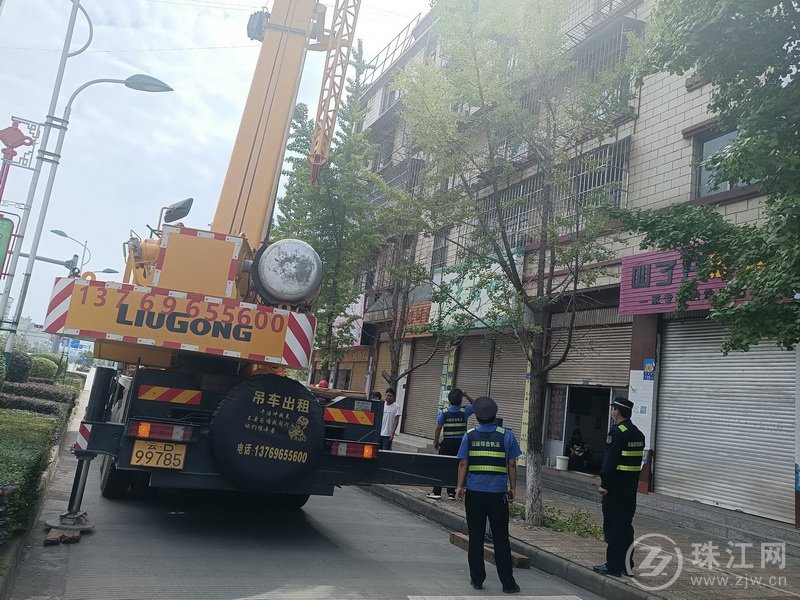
(562, 463)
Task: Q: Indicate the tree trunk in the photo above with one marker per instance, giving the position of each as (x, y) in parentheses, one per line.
(534, 509)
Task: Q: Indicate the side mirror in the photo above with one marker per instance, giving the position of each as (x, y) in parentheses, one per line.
(178, 210)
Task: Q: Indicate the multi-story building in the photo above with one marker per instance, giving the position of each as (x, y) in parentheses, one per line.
(721, 429)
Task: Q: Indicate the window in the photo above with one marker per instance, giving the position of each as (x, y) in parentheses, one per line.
(439, 254)
(389, 97)
(706, 147)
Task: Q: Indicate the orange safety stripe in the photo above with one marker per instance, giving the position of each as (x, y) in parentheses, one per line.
(167, 394)
(356, 417)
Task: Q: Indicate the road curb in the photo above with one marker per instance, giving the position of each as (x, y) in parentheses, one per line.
(543, 560)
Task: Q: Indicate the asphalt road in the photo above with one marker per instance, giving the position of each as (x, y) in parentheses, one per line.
(181, 546)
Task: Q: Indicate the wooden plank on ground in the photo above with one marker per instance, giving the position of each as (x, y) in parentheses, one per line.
(460, 540)
(62, 536)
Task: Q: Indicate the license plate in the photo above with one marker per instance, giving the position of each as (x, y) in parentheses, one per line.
(161, 455)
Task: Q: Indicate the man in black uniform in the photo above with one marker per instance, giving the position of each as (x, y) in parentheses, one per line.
(619, 479)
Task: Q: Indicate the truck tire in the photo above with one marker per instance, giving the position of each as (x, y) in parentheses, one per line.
(267, 432)
(114, 484)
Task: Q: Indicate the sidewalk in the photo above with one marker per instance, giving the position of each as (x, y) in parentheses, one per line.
(686, 564)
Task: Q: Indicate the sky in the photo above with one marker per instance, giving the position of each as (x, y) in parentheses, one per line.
(127, 153)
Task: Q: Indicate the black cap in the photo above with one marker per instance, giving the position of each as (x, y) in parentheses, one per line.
(455, 396)
(485, 408)
(623, 403)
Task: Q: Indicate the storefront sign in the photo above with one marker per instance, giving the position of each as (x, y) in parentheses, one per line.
(356, 354)
(418, 315)
(649, 283)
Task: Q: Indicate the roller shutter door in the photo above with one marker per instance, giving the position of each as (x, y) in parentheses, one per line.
(472, 366)
(509, 371)
(725, 424)
(358, 378)
(384, 363)
(424, 385)
(599, 356)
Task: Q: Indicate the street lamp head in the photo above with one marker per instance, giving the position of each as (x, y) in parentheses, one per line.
(145, 83)
(59, 232)
(109, 271)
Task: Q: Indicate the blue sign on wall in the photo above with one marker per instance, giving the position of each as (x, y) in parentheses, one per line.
(74, 343)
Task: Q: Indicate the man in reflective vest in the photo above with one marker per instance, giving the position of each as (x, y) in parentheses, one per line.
(488, 466)
(619, 480)
(451, 424)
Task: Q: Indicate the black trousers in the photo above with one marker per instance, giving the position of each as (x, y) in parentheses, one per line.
(619, 506)
(448, 447)
(493, 506)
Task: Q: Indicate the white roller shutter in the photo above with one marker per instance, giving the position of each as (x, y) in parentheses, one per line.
(725, 424)
(422, 393)
(472, 365)
(509, 371)
(599, 356)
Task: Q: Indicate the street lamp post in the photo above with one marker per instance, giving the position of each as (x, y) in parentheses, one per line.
(143, 83)
(84, 260)
(43, 155)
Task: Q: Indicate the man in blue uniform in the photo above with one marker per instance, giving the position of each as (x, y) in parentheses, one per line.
(619, 480)
(488, 466)
(451, 424)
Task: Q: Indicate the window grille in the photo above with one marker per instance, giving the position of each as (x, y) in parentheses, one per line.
(439, 253)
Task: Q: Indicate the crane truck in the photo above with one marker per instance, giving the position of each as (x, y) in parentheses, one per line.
(205, 323)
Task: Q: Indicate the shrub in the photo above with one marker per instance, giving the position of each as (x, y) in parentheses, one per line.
(41, 366)
(45, 407)
(579, 522)
(41, 380)
(59, 359)
(20, 367)
(25, 440)
(2, 370)
(43, 391)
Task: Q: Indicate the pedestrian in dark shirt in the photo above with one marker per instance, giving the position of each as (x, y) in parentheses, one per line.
(619, 480)
(487, 481)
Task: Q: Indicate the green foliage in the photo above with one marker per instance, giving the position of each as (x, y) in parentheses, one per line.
(42, 391)
(25, 440)
(19, 368)
(2, 370)
(753, 92)
(45, 407)
(59, 359)
(43, 367)
(336, 218)
(579, 522)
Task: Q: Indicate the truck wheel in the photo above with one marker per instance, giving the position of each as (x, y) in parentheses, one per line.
(267, 432)
(114, 484)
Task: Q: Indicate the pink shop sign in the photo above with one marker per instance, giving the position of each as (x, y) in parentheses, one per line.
(650, 283)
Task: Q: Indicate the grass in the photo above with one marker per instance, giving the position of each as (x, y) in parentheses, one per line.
(579, 521)
(25, 441)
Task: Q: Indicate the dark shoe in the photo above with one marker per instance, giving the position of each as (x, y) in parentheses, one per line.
(511, 587)
(603, 570)
(475, 585)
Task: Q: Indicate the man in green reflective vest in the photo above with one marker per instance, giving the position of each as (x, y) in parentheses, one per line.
(487, 480)
(619, 480)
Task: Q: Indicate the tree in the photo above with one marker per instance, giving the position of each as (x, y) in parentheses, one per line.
(336, 218)
(749, 51)
(514, 126)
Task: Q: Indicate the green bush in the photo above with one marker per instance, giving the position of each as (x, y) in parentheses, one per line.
(45, 407)
(59, 359)
(46, 380)
(41, 366)
(579, 522)
(20, 367)
(43, 391)
(2, 370)
(25, 440)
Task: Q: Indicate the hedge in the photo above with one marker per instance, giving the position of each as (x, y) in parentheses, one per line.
(2, 370)
(44, 407)
(43, 391)
(25, 440)
(43, 367)
(41, 380)
(20, 367)
(59, 359)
